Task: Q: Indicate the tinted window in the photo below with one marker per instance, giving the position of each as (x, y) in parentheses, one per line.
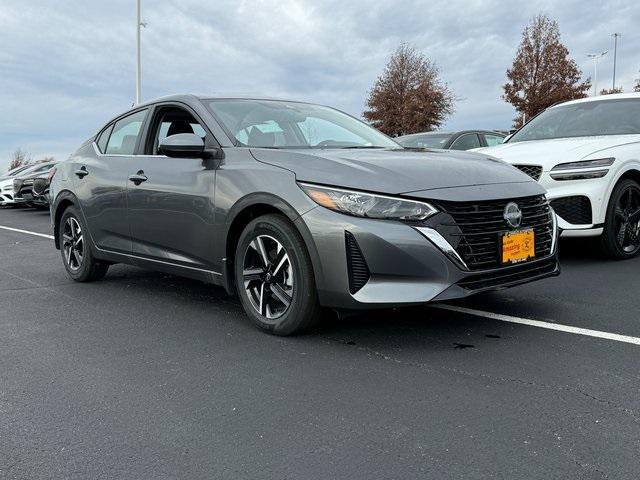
(602, 117)
(493, 140)
(104, 137)
(125, 134)
(424, 141)
(466, 142)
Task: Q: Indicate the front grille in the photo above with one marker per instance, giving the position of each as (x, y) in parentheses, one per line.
(575, 210)
(40, 185)
(475, 229)
(534, 171)
(510, 276)
(356, 264)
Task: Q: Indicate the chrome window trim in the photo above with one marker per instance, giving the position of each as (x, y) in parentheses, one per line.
(100, 154)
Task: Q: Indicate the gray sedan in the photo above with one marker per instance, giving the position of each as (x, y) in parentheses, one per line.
(294, 206)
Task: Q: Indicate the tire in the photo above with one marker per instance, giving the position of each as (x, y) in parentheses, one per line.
(619, 239)
(80, 264)
(270, 282)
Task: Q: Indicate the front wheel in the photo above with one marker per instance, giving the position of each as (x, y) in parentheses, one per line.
(76, 252)
(274, 277)
(621, 236)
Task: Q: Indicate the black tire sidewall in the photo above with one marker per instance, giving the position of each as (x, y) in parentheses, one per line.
(84, 272)
(304, 298)
(610, 242)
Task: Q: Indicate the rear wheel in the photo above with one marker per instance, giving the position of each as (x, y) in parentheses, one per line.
(621, 236)
(274, 277)
(76, 252)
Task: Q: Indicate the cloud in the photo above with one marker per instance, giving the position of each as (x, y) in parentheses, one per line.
(67, 67)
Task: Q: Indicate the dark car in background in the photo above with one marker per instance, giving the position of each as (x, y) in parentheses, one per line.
(40, 189)
(462, 140)
(23, 182)
(294, 206)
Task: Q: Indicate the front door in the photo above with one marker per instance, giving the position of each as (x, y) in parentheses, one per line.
(171, 200)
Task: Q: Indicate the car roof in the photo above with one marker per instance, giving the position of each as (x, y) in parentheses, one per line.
(458, 132)
(600, 98)
(35, 166)
(191, 96)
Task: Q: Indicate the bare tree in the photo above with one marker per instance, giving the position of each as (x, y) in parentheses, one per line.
(409, 96)
(542, 72)
(636, 87)
(19, 158)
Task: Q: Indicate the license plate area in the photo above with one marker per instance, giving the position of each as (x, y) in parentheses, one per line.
(518, 246)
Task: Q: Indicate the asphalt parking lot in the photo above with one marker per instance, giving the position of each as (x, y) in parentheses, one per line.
(146, 375)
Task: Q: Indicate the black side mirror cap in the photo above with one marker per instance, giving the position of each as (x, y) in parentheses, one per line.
(182, 145)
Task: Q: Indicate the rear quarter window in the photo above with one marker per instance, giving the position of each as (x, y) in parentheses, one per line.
(103, 138)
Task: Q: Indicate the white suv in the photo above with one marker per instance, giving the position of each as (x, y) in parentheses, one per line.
(586, 153)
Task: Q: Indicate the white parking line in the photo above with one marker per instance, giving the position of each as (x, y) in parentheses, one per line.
(50, 237)
(616, 337)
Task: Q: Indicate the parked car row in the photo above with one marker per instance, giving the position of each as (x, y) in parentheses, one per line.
(294, 206)
(28, 185)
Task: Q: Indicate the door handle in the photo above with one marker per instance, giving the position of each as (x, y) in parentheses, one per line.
(81, 172)
(138, 178)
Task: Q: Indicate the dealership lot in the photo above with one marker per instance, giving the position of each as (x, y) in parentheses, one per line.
(146, 375)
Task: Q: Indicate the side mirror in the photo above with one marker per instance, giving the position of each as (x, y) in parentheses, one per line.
(182, 145)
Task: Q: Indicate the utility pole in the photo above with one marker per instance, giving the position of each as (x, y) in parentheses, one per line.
(595, 57)
(138, 62)
(615, 56)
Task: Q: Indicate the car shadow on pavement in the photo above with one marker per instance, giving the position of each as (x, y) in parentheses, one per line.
(420, 326)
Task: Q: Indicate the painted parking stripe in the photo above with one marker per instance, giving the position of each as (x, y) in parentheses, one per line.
(43, 235)
(616, 337)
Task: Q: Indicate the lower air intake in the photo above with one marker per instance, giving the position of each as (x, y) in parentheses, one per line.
(357, 267)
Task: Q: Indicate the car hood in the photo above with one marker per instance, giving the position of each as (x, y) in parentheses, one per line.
(549, 153)
(392, 171)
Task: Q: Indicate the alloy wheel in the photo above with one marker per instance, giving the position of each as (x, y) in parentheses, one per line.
(268, 276)
(73, 244)
(627, 219)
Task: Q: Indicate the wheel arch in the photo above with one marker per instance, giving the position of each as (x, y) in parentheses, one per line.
(63, 200)
(631, 172)
(253, 206)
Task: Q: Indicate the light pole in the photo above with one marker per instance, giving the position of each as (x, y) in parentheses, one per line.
(139, 24)
(595, 57)
(615, 56)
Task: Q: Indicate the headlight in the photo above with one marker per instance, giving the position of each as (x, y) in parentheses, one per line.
(584, 169)
(600, 162)
(368, 205)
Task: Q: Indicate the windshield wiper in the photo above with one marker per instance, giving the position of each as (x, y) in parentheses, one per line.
(353, 147)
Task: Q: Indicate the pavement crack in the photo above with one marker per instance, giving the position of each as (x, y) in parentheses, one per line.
(495, 378)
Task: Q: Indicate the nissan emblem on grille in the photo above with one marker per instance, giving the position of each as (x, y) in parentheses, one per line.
(513, 215)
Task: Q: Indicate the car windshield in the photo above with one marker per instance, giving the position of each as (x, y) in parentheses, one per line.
(424, 141)
(602, 117)
(279, 124)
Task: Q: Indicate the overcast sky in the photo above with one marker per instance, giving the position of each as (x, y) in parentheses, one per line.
(67, 66)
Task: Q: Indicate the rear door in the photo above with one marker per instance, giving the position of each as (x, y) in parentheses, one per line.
(171, 212)
(100, 179)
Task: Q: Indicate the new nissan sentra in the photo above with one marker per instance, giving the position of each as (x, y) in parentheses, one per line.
(294, 207)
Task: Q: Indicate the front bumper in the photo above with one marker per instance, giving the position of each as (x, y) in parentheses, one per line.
(593, 191)
(405, 266)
